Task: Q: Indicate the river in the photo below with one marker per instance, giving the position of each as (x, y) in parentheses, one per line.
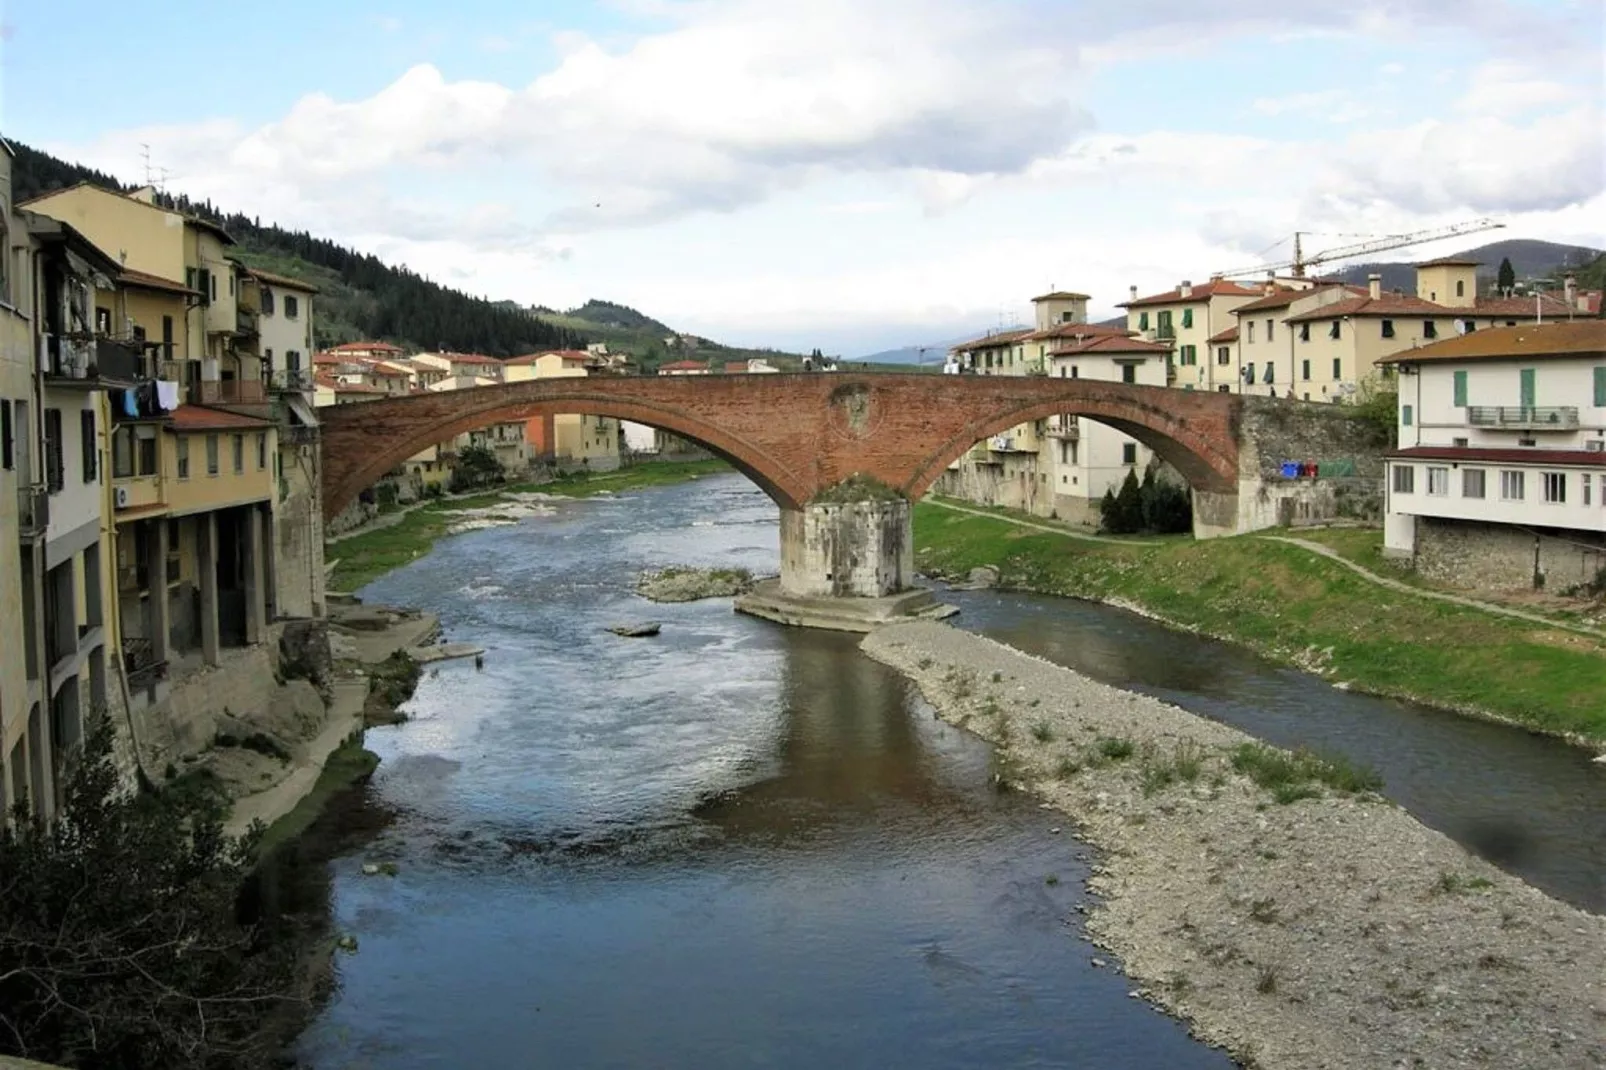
(743, 845)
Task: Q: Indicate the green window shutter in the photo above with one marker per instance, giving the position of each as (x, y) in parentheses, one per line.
(1460, 390)
(1143, 321)
(1527, 388)
(1600, 386)
(1405, 415)
(1187, 317)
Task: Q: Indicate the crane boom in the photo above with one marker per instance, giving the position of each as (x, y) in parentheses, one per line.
(1377, 245)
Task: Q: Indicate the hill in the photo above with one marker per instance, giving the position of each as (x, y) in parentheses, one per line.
(1529, 258)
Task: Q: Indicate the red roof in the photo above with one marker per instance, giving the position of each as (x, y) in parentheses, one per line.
(144, 280)
(531, 358)
(1389, 304)
(1072, 330)
(361, 347)
(1213, 288)
(1285, 296)
(683, 366)
(470, 358)
(1228, 335)
(1450, 261)
(201, 418)
(1518, 455)
(1520, 307)
(997, 338)
(1112, 343)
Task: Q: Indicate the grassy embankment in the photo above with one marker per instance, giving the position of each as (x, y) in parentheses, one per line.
(367, 556)
(1301, 609)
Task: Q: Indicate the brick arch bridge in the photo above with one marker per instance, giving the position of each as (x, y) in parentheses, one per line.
(796, 435)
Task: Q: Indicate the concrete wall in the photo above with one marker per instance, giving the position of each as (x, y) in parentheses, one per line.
(848, 550)
(298, 533)
(1496, 557)
(1011, 480)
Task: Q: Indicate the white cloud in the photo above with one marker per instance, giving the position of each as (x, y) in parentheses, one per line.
(1506, 88)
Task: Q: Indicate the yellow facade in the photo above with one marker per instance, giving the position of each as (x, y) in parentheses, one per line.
(194, 470)
(143, 236)
(1451, 283)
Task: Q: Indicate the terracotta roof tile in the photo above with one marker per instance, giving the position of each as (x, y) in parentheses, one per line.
(1228, 335)
(998, 338)
(1199, 293)
(1389, 304)
(1062, 295)
(683, 366)
(1286, 296)
(144, 280)
(1071, 330)
(360, 347)
(1579, 338)
(1112, 343)
(281, 280)
(201, 418)
(1450, 261)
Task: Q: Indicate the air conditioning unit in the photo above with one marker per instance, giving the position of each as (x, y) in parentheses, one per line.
(120, 496)
(1595, 445)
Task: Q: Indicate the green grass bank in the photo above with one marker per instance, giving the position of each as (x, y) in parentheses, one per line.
(1301, 609)
(368, 555)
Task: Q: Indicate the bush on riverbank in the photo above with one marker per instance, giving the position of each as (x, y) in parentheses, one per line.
(119, 945)
(1301, 609)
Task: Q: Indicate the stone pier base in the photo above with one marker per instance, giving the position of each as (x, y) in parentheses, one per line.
(848, 566)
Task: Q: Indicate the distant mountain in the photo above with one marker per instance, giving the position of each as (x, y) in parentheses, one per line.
(608, 314)
(1529, 258)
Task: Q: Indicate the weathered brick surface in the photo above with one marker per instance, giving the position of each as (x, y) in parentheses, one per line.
(796, 435)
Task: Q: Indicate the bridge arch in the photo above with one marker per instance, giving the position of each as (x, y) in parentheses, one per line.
(1175, 438)
(391, 440)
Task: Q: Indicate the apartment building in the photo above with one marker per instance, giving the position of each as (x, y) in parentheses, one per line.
(590, 442)
(1086, 457)
(281, 308)
(1500, 475)
(1257, 355)
(1187, 319)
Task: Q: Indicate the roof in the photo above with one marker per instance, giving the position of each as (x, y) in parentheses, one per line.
(997, 338)
(1112, 344)
(201, 418)
(1287, 295)
(364, 347)
(144, 280)
(1551, 304)
(386, 367)
(1389, 304)
(281, 280)
(1072, 330)
(566, 354)
(683, 366)
(469, 358)
(1514, 455)
(1213, 288)
(1578, 338)
(1228, 335)
(1062, 295)
(1451, 261)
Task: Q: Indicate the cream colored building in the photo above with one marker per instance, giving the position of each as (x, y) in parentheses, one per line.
(1257, 355)
(283, 308)
(1187, 318)
(590, 442)
(1500, 475)
(1086, 457)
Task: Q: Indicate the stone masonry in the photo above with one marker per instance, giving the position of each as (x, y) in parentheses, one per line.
(1498, 557)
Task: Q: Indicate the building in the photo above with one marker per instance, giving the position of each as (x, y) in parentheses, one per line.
(1499, 480)
(590, 442)
(282, 307)
(366, 351)
(333, 390)
(1087, 458)
(1187, 318)
(1258, 354)
(684, 367)
(464, 365)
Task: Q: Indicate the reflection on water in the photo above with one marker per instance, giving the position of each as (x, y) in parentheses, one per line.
(735, 844)
(1528, 803)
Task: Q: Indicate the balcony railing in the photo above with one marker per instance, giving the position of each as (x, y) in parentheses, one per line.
(1165, 332)
(290, 381)
(1069, 432)
(245, 320)
(230, 392)
(1524, 417)
(33, 510)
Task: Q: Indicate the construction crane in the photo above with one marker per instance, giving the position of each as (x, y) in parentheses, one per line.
(1300, 261)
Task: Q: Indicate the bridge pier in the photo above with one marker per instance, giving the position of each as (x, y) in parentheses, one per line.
(847, 566)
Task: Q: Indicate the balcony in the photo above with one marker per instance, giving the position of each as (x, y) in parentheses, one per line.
(1165, 332)
(1523, 417)
(33, 510)
(290, 381)
(1011, 444)
(229, 392)
(1068, 432)
(246, 321)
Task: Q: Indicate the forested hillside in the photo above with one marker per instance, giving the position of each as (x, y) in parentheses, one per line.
(362, 297)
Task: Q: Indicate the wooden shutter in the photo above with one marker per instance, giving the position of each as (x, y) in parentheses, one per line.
(86, 433)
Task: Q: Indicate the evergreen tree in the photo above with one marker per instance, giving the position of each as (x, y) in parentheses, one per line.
(1507, 280)
(1125, 514)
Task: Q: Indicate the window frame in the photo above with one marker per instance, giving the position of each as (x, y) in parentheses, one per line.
(1513, 479)
(1553, 488)
(1438, 481)
(1402, 479)
(1482, 482)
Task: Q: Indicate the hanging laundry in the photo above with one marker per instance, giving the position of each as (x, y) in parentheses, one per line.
(166, 395)
(1290, 469)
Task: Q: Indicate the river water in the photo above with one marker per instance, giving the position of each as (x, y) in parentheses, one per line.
(743, 845)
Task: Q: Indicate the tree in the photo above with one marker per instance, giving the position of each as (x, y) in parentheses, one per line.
(476, 466)
(119, 940)
(1507, 279)
(1165, 506)
(1124, 513)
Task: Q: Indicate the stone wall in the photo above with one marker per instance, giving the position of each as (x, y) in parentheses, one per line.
(1019, 482)
(856, 549)
(298, 530)
(1275, 431)
(1499, 557)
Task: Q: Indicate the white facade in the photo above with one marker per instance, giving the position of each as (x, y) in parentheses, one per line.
(1517, 440)
(1088, 457)
(285, 329)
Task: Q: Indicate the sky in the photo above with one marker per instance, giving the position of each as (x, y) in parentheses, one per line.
(856, 175)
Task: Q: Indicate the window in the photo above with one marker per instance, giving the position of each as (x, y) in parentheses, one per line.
(1404, 479)
(1405, 415)
(1460, 390)
(1439, 481)
(8, 458)
(88, 443)
(1076, 372)
(1269, 323)
(1304, 332)
(1223, 355)
(266, 300)
(145, 449)
(1249, 372)
(1511, 488)
(181, 446)
(1600, 387)
(262, 450)
(211, 455)
(1187, 317)
(1584, 480)
(1129, 373)
(1460, 287)
(1468, 326)
(1251, 332)
(55, 475)
(1525, 386)
(1388, 328)
(239, 454)
(1333, 331)
(1271, 372)
(1143, 321)
(1472, 483)
(1338, 368)
(292, 307)
(1190, 355)
(123, 453)
(1459, 443)
(1162, 320)
(103, 320)
(1555, 487)
(231, 284)
(1129, 453)
(1304, 369)
(1430, 329)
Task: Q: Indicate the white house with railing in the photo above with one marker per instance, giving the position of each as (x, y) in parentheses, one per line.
(1499, 480)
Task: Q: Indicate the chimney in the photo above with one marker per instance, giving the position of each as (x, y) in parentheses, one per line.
(1374, 285)
(1570, 288)
(1186, 289)
(1134, 292)
(1271, 283)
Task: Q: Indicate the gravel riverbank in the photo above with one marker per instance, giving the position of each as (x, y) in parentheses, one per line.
(1286, 913)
